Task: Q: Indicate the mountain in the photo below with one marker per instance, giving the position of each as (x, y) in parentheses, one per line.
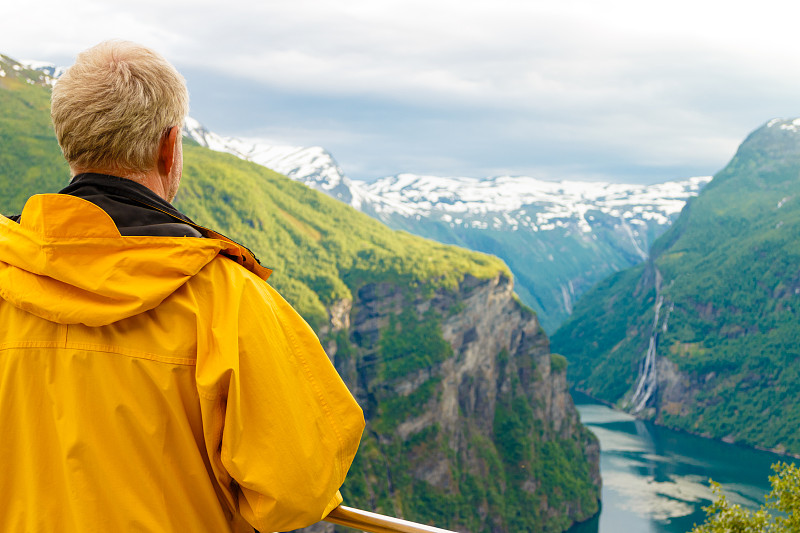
(704, 336)
(312, 166)
(469, 421)
(559, 238)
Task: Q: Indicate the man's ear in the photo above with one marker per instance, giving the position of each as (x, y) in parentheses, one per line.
(166, 150)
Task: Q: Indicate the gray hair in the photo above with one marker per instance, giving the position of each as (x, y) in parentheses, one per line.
(110, 108)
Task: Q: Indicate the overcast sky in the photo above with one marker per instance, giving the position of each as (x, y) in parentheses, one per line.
(616, 90)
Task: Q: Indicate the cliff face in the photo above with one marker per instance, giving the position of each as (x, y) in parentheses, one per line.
(469, 421)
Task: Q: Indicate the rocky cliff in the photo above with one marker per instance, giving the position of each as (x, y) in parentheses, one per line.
(470, 423)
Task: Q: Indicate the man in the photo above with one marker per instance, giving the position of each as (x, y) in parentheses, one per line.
(150, 379)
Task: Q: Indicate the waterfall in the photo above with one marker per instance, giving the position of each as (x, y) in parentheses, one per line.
(646, 383)
(629, 232)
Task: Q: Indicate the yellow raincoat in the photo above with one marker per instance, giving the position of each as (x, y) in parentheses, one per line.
(151, 384)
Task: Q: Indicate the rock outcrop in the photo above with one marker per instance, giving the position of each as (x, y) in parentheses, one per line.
(469, 421)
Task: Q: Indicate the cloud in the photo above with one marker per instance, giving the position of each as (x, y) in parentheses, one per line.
(609, 86)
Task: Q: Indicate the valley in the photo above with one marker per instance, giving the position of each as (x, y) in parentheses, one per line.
(725, 280)
(676, 302)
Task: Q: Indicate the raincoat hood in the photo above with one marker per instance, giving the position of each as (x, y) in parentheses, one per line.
(66, 261)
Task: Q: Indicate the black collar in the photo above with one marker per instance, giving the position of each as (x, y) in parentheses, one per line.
(135, 209)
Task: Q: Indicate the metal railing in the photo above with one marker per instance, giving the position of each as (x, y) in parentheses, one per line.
(377, 523)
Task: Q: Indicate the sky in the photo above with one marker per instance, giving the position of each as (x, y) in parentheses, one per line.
(614, 90)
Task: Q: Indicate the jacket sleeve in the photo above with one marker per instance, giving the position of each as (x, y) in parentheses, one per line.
(280, 427)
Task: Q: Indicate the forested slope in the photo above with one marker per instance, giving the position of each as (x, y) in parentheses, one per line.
(726, 281)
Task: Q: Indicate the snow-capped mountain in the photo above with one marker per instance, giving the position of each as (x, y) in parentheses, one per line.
(51, 71)
(500, 203)
(524, 203)
(313, 166)
(559, 238)
(33, 72)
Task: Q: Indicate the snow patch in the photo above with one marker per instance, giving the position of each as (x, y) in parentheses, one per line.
(50, 71)
(793, 126)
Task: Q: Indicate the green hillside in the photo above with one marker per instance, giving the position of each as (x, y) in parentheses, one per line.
(30, 159)
(321, 250)
(728, 337)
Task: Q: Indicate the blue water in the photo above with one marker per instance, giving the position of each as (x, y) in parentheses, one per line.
(655, 480)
